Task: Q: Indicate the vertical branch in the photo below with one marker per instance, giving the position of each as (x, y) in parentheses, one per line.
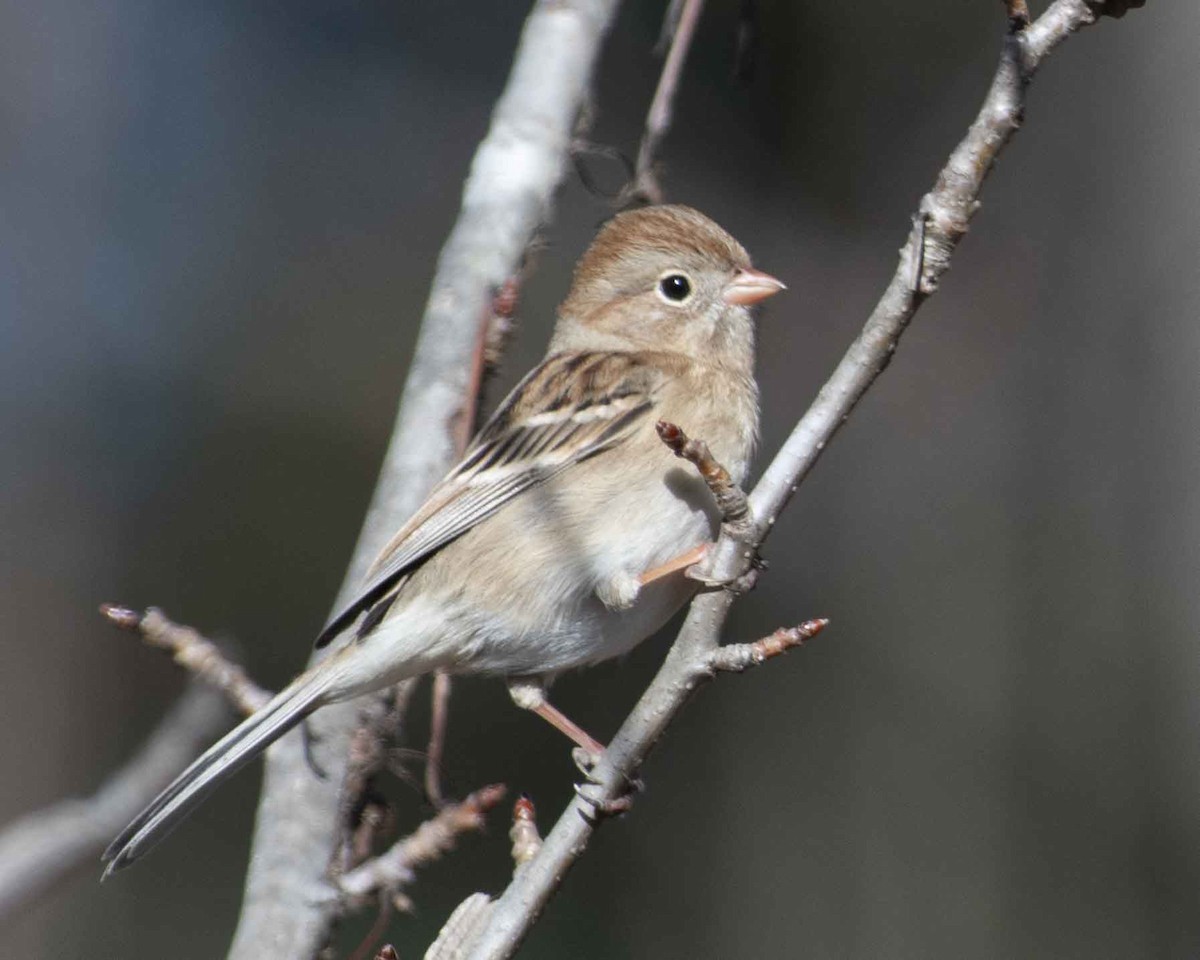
(658, 119)
(289, 905)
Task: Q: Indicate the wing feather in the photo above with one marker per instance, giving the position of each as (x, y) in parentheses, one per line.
(570, 408)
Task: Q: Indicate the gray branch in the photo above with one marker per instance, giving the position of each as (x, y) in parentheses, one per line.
(39, 850)
(680, 26)
(290, 903)
(394, 868)
(42, 847)
(693, 658)
(740, 657)
(194, 652)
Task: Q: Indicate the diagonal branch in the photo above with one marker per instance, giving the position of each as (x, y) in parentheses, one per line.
(289, 905)
(394, 868)
(470, 916)
(40, 849)
(937, 230)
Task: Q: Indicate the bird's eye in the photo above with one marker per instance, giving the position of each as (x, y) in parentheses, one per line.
(675, 287)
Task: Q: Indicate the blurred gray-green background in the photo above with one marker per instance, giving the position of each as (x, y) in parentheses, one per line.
(217, 226)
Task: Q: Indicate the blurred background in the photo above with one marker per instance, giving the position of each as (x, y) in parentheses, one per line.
(218, 223)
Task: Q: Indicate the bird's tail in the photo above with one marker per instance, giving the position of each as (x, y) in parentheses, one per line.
(214, 767)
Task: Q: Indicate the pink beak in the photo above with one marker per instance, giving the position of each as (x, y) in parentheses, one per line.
(750, 286)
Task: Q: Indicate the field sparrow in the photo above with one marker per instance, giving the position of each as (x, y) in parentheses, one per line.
(559, 539)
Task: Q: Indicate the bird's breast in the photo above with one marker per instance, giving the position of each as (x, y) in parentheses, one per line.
(525, 586)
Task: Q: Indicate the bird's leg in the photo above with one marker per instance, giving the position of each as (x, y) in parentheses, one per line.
(674, 565)
(694, 567)
(529, 693)
(621, 591)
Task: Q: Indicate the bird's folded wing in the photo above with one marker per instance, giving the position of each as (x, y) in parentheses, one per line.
(569, 408)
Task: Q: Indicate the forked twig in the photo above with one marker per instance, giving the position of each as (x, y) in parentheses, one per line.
(394, 868)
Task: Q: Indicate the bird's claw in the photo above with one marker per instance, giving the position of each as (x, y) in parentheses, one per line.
(592, 794)
(735, 585)
(585, 761)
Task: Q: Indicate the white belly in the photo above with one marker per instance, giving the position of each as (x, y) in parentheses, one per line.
(529, 602)
(561, 620)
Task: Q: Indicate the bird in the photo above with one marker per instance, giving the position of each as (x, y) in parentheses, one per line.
(561, 537)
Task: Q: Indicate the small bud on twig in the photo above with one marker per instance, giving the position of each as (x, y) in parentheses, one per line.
(737, 657)
(527, 841)
(731, 499)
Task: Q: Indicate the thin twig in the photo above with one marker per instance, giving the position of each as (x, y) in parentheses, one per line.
(394, 868)
(287, 910)
(731, 498)
(366, 811)
(454, 939)
(737, 657)
(439, 719)
(688, 664)
(670, 24)
(935, 233)
(40, 848)
(496, 324)
(192, 651)
(745, 40)
(646, 187)
(373, 936)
